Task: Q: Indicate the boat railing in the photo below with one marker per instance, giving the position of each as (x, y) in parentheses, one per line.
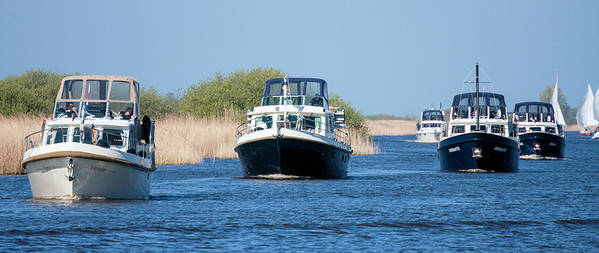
(535, 117)
(485, 111)
(299, 123)
(99, 138)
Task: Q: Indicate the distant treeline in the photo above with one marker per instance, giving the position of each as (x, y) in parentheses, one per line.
(34, 93)
(388, 117)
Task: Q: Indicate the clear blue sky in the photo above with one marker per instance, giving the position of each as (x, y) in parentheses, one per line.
(393, 57)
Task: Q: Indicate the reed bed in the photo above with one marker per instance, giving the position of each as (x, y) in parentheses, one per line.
(179, 139)
(391, 127)
(188, 140)
(13, 130)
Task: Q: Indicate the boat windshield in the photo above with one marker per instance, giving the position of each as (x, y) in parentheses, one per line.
(300, 91)
(534, 112)
(491, 105)
(96, 97)
(432, 115)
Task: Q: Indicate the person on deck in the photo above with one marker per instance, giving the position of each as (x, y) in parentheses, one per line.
(316, 101)
(71, 110)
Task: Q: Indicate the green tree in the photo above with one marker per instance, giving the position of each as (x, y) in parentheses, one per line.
(569, 112)
(33, 92)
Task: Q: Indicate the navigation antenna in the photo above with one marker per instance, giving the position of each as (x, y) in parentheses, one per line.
(477, 105)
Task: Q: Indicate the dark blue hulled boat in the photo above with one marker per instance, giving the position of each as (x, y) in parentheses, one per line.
(479, 140)
(541, 137)
(294, 132)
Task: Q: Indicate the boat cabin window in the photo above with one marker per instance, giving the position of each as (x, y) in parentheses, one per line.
(95, 109)
(535, 129)
(119, 110)
(120, 90)
(72, 89)
(457, 129)
(57, 135)
(432, 115)
(114, 137)
(299, 92)
(522, 130)
(264, 122)
(97, 89)
(550, 130)
(67, 109)
(497, 129)
(482, 128)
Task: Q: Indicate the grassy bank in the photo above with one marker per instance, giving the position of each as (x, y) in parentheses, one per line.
(179, 139)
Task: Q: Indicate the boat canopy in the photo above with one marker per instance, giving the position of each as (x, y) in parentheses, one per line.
(432, 115)
(491, 105)
(535, 112)
(485, 99)
(301, 91)
(98, 96)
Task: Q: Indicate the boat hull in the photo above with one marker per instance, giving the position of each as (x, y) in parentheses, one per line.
(428, 136)
(72, 170)
(542, 145)
(294, 157)
(479, 152)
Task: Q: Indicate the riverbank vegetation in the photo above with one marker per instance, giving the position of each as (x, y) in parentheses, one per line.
(197, 124)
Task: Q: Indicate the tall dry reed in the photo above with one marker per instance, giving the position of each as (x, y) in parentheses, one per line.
(363, 145)
(13, 130)
(179, 139)
(186, 140)
(391, 127)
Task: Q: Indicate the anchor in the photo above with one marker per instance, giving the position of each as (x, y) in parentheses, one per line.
(70, 167)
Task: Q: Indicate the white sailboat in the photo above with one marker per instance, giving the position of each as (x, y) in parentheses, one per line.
(559, 116)
(585, 115)
(596, 113)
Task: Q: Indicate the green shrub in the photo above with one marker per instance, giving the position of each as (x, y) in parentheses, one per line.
(237, 91)
(33, 92)
(155, 105)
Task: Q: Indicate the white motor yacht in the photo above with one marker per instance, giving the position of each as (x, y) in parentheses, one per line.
(94, 145)
(431, 126)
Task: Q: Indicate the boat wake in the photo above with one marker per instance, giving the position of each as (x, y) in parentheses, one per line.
(278, 177)
(475, 171)
(540, 157)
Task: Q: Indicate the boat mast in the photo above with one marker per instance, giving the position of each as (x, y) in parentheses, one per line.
(285, 84)
(477, 105)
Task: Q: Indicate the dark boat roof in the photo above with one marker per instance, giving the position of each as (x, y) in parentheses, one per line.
(533, 103)
(456, 99)
(432, 110)
(296, 79)
(539, 104)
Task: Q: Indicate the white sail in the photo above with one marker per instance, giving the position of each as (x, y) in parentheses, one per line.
(585, 112)
(559, 116)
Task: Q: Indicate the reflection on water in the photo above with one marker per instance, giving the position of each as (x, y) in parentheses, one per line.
(398, 200)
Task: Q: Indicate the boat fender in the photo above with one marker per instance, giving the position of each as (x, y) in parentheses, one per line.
(146, 124)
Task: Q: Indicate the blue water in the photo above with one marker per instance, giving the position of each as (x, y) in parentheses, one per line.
(397, 200)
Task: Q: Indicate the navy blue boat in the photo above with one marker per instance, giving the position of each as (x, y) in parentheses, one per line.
(294, 132)
(479, 139)
(540, 135)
